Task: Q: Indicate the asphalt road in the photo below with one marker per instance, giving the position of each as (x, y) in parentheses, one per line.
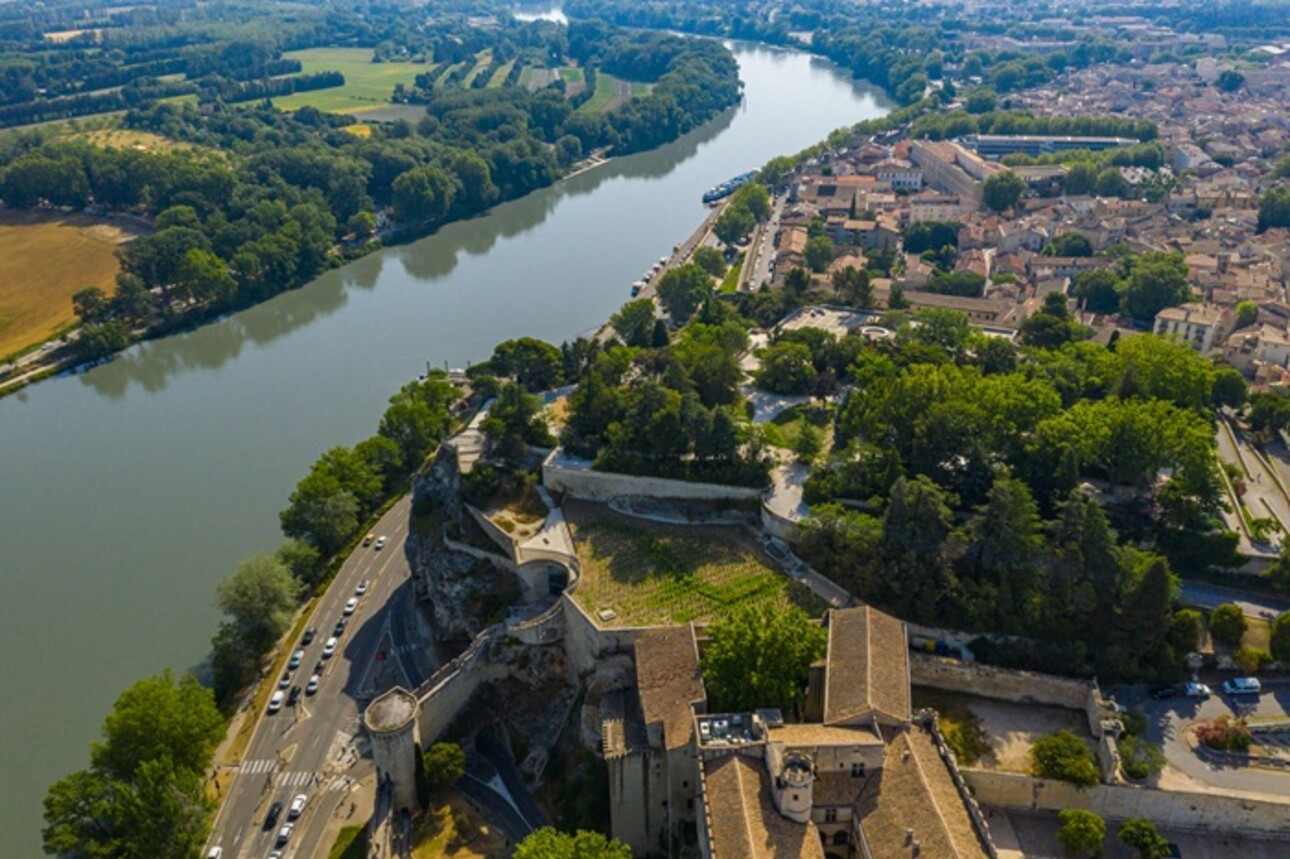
(1252, 605)
(315, 748)
(1166, 720)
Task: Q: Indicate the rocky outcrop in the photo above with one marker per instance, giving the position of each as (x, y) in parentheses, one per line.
(464, 592)
(438, 486)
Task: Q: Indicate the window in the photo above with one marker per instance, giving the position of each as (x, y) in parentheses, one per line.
(685, 785)
(857, 770)
(840, 837)
(830, 815)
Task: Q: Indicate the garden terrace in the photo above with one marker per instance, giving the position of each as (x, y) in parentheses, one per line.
(648, 573)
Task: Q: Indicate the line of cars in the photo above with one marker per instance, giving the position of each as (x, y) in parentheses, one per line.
(1233, 687)
(289, 694)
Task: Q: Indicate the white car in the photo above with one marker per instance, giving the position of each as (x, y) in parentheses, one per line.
(1242, 686)
(380, 542)
(297, 806)
(296, 659)
(1196, 690)
(351, 605)
(284, 834)
(275, 703)
(330, 647)
(362, 587)
(312, 686)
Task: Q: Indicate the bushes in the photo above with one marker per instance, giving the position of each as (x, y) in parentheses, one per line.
(1138, 758)
(1224, 734)
(1227, 624)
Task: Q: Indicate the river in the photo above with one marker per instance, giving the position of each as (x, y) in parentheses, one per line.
(130, 490)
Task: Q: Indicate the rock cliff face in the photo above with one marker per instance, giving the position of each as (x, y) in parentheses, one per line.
(464, 589)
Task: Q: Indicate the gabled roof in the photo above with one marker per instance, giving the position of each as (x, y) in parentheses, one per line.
(868, 667)
(915, 791)
(742, 820)
(668, 678)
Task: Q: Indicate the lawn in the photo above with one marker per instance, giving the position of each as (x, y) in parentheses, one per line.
(125, 138)
(453, 830)
(649, 573)
(351, 843)
(730, 283)
(368, 85)
(784, 429)
(44, 259)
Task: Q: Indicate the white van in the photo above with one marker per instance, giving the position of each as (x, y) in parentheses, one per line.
(275, 702)
(1243, 686)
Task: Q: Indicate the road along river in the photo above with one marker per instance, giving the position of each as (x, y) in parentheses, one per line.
(128, 492)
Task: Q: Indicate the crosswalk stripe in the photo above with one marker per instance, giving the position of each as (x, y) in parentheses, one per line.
(260, 765)
(295, 779)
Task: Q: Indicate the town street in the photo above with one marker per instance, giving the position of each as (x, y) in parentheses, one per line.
(315, 748)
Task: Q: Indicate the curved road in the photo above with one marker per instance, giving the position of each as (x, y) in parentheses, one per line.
(315, 748)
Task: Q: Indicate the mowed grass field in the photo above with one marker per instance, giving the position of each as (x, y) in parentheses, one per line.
(368, 85)
(648, 573)
(44, 259)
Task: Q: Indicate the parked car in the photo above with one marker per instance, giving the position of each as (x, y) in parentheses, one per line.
(275, 703)
(362, 587)
(351, 606)
(308, 636)
(1196, 690)
(1243, 686)
(297, 806)
(275, 811)
(312, 686)
(293, 696)
(380, 542)
(284, 834)
(1159, 693)
(296, 658)
(329, 648)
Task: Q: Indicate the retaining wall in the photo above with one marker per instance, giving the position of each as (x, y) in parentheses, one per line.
(585, 643)
(1167, 808)
(1005, 684)
(450, 688)
(577, 478)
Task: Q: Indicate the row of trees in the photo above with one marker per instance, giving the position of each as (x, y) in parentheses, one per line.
(1089, 605)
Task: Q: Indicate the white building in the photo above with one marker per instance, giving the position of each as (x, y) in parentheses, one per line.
(1198, 325)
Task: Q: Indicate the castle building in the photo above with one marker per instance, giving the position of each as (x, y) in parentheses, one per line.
(861, 777)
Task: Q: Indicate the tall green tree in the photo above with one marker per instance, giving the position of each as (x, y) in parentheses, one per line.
(916, 549)
(547, 843)
(682, 290)
(634, 322)
(259, 599)
(759, 656)
(1144, 837)
(1082, 831)
(1002, 190)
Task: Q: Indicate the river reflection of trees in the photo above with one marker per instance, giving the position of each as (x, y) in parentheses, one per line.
(152, 364)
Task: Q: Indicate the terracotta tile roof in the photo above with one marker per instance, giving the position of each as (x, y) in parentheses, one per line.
(742, 819)
(915, 791)
(667, 675)
(868, 666)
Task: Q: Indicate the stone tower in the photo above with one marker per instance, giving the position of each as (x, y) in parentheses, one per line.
(391, 722)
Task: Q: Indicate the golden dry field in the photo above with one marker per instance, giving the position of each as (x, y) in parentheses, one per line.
(45, 257)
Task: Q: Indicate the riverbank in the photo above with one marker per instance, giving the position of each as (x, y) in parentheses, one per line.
(142, 482)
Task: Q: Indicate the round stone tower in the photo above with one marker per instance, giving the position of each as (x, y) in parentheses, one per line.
(797, 778)
(391, 722)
